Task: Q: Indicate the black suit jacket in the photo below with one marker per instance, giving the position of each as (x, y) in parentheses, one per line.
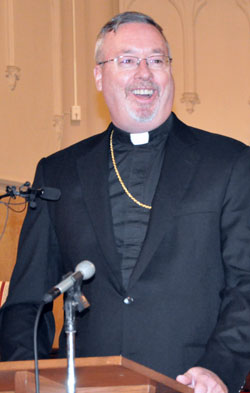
(190, 288)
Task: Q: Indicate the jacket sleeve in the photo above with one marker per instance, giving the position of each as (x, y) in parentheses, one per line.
(228, 350)
(36, 270)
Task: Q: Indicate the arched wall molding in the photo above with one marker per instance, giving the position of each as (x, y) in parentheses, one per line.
(12, 71)
(245, 6)
(188, 13)
(56, 50)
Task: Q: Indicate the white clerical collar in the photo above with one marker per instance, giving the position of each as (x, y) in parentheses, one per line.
(141, 138)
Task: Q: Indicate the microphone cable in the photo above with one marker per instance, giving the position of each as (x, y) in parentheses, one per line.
(10, 206)
(37, 381)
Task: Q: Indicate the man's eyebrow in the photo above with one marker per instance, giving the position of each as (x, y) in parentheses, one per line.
(128, 51)
(134, 51)
(158, 50)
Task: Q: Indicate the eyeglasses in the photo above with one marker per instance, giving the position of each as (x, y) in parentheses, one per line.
(154, 62)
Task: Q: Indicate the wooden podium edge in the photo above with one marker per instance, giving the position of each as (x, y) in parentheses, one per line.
(161, 378)
(21, 365)
(25, 383)
(8, 370)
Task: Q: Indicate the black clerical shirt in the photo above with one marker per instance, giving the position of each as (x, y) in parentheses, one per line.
(139, 167)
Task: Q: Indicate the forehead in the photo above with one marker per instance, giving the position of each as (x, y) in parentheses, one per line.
(134, 38)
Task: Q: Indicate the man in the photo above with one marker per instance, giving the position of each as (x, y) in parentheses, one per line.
(162, 210)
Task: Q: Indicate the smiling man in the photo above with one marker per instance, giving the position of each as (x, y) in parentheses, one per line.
(163, 211)
(135, 77)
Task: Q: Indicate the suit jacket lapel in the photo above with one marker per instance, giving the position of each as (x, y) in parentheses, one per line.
(93, 173)
(178, 168)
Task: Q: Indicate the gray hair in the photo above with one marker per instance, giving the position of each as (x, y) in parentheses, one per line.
(120, 19)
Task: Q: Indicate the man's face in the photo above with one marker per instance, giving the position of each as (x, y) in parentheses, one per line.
(140, 99)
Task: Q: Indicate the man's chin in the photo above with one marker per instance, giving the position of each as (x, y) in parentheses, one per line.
(142, 116)
(139, 124)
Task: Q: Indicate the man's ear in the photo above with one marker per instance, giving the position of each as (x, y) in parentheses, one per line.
(98, 77)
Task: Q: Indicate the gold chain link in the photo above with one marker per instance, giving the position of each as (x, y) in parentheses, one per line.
(119, 177)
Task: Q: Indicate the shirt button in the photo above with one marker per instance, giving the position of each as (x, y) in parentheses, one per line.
(128, 300)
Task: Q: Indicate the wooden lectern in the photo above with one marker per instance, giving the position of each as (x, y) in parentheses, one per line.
(113, 374)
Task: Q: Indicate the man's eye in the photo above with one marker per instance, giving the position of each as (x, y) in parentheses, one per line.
(156, 61)
(127, 60)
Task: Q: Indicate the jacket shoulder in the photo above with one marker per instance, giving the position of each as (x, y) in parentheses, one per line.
(79, 148)
(209, 142)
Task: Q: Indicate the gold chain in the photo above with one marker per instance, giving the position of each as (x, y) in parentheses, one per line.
(119, 177)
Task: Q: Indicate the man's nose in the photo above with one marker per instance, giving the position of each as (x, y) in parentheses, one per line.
(143, 69)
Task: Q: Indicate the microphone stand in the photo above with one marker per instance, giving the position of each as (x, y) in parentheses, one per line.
(75, 301)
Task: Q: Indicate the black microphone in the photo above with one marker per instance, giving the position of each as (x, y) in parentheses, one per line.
(83, 271)
(48, 193)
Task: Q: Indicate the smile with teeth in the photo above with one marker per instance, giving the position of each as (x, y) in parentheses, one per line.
(143, 92)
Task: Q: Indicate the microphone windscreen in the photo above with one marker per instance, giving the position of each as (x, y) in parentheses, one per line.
(50, 194)
(87, 269)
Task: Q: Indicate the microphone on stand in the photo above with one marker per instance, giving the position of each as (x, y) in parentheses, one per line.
(83, 271)
(74, 300)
